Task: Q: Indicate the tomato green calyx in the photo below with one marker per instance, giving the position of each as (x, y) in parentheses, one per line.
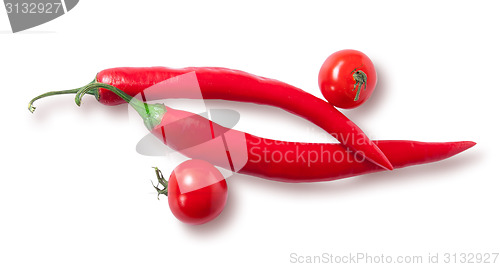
(162, 181)
(93, 92)
(152, 114)
(361, 79)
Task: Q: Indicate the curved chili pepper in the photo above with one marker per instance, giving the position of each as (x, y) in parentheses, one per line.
(234, 85)
(198, 137)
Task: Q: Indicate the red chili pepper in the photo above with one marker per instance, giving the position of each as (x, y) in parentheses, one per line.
(200, 138)
(228, 84)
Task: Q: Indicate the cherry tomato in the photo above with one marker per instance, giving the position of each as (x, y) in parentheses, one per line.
(196, 190)
(347, 78)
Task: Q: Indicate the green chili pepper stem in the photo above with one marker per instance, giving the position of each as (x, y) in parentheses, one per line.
(93, 92)
(152, 114)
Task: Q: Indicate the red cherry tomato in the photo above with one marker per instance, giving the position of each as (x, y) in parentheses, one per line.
(196, 190)
(347, 78)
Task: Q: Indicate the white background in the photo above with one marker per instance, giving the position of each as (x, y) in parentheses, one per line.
(74, 191)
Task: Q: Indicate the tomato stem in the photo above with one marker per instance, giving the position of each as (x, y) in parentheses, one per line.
(93, 92)
(162, 181)
(361, 79)
(152, 114)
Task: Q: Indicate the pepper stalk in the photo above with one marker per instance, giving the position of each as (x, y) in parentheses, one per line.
(152, 114)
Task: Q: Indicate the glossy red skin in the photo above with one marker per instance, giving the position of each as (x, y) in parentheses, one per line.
(336, 81)
(186, 131)
(192, 204)
(228, 84)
